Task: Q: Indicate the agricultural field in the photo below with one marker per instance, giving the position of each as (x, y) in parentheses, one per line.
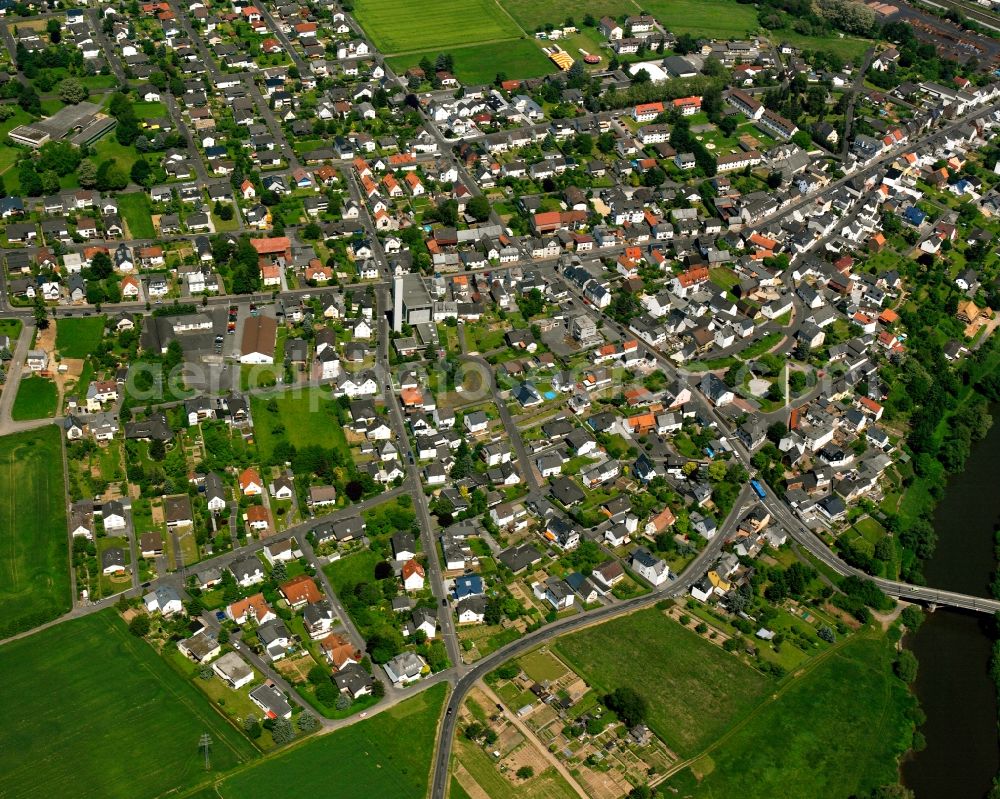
(136, 211)
(36, 399)
(722, 19)
(304, 417)
(532, 15)
(835, 730)
(695, 690)
(480, 63)
(34, 567)
(79, 336)
(121, 724)
(370, 753)
(398, 26)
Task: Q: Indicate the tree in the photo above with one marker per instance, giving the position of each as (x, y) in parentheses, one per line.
(50, 182)
(776, 431)
(525, 773)
(478, 208)
(86, 174)
(905, 666)
(282, 731)
(728, 125)
(140, 625)
(60, 157)
(912, 617)
(157, 451)
(826, 634)
(803, 139)
(101, 266)
(474, 731)
(630, 707)
(71, 91)
(717, 471)
(251, 726)
(378, 689)
(111, 176)
(142, 173)
(307, 722)
(312, 231)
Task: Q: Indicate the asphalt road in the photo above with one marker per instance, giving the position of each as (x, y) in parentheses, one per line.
(676, 587)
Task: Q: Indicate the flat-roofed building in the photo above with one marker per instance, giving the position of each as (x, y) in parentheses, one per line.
(411, 303)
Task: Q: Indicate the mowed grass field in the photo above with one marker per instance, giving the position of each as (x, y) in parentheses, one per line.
(79, 336)
(837, 730)
(308, 416)
(36, 399)
(34, 559)
(93, 711)
(517, 58)
(386, 757)
(136, 209)
(694, 689)
(400, 26)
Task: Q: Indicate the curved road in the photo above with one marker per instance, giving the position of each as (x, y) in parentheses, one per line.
(679, 586)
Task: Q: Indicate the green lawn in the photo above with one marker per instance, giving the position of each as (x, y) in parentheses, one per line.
(79, 336)
(835, 731)
(480, 63)
(150, 110)
(137, 211)
(370, 758)
(8, 152)
(694, 689)
(36, 399)
(96, 712)
(352, 569)
(108, 148)
(847, 47)
(762, 345)
(542, 666)
(12, 329)
(723, 277)
(309, 416)
(34, 566)
(96, 82)
(399, 26)
(263, 375)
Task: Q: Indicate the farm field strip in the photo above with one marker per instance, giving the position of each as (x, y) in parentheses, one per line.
(35, 584)
(398, 26)
(104, 716)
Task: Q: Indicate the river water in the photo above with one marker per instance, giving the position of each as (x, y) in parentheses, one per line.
(953, 647)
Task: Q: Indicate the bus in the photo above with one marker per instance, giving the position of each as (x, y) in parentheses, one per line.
(758, 489)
